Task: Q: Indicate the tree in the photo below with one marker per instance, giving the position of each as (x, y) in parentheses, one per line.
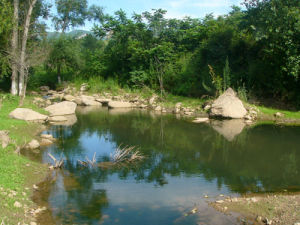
(62, 55)
(23, 66)
(14, 50)
(70, 13)
(6, 21)
(25, 18)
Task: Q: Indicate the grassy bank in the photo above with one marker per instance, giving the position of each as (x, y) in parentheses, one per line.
(18, 174)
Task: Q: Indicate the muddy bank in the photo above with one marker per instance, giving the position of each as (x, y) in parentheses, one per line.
(275, 208)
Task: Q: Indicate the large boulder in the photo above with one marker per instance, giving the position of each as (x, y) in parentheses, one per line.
(118, 104)
(89, 101)
(4, 138)
(62, 108)
(228, 105)
(28, 115)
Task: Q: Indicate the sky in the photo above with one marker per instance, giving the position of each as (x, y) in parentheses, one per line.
(175, 8)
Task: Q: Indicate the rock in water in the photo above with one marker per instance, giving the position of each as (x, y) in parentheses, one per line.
(228, 105)
(27, 115)
(62, 108)
(45, 142)
(34, 144)
(89, 101)
(200, 120)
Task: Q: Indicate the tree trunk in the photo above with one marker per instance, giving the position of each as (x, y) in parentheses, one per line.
(14, 47)
(59, 74)
(22, 83)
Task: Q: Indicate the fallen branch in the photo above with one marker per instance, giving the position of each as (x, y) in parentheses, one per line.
(57, 163)
(88, 161)
(126, 154)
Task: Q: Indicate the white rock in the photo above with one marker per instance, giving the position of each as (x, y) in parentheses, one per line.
(47, 136)
(17, 205)
(28, 115)
(158, 108)
(118, 104)
(62, 108)
(89, 101)
(178, 105)
(279, 115)
(207, 107)
(228, 105)
(34, 144)
(152, 99)
(70, 98)
(200, 120)
(45, 142)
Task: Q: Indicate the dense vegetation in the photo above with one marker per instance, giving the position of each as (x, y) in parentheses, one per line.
(256, 51)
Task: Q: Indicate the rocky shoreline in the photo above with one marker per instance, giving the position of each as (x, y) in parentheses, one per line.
(61, 107)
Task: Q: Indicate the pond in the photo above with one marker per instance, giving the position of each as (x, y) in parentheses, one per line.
(184, 164)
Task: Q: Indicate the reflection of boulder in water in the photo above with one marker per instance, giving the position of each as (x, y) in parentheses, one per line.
(87, 109)
(228, 128)
(71, 120)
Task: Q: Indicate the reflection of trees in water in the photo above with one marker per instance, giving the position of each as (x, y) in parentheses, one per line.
(176, 147)
(80, 200)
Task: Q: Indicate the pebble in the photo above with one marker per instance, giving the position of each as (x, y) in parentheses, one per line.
(33, 223)
(17, 205)
(298, 223)
(220, 201)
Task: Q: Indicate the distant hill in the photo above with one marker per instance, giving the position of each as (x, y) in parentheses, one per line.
(73, 34)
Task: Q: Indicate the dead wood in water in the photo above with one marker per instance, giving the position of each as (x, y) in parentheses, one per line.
(57, 163)
(122, 157)
(126, 154)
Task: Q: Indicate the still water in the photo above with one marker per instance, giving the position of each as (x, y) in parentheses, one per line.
(183, 163)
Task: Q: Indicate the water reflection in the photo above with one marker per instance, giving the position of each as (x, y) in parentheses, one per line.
(184, 162)
(228, 128)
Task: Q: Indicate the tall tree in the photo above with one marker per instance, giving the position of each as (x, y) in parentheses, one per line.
(14, 50)
(70, 13)
(23, 65)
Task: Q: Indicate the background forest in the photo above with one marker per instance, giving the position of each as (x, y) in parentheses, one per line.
(255, 50)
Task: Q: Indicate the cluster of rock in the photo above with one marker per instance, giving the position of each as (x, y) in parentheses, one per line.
(45, 140)
(61, 106)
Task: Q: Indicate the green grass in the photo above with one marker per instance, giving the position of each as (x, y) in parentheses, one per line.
(271, 111)
(171, 100)
(99, 85)
(17, 172)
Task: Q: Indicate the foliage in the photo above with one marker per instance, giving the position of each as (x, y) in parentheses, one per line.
(70, 13)
(255, 50)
